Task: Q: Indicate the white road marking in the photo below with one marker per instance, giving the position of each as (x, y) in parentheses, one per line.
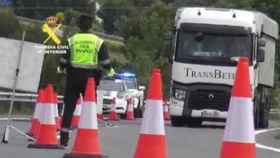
(16, 119)
(258, 145)
(261, 146)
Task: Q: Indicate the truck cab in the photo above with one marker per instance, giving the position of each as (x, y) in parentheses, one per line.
(207, 42)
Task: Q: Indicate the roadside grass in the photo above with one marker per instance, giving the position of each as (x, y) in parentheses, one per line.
(19, 108)
(275, 116)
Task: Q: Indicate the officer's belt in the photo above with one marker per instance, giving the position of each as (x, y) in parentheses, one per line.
(84, 66)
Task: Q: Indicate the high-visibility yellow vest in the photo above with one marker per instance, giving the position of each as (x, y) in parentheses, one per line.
(111, 72)
(84, 50)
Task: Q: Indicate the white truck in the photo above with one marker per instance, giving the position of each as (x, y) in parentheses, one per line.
(206, 44)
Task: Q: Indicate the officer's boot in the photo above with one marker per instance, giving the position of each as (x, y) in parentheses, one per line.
(64, 137)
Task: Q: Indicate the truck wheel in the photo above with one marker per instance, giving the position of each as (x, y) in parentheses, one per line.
(257, 111)
(264, 119)
(261, 110)
(194, 122)
(264, 112)
(177, 121)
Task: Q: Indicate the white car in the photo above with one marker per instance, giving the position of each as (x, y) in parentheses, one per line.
(137, 94)
(110, 89)
(121, 91)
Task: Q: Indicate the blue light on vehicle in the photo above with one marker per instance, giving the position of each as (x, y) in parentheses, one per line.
(126, 75)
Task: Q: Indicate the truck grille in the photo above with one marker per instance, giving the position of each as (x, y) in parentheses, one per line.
(209, 99)
(107, 101)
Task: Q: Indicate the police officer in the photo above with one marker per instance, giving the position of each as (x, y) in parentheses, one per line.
(87, 53)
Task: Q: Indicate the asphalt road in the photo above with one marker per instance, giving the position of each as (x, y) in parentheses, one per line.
(120, 142)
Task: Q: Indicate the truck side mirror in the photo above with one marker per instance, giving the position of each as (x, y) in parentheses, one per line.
(261, 43)
(261, 55)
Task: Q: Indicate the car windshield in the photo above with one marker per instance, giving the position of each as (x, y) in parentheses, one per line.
(131, 84)
(198, 44)
(111, 85)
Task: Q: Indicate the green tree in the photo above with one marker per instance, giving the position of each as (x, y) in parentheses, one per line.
(144, 30)
(9, 25)
(112, 11)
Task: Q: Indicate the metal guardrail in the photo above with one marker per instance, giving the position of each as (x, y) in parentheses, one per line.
(101, 34)
(22, 97)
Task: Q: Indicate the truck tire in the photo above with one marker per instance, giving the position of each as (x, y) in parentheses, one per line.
(264, 111)
(261, 111)
(256, 113)
(257, 102)
(264, 119)
(194, 122)
(177, 121)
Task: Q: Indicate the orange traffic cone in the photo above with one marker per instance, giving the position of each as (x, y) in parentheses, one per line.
(130, 110)
(100, 116)
(152, 141)
(47, 137)
(35, 123)
(166, 111)
(87, 144)
(113, 116)
(77, 114)
(239, 137)
(58, 119)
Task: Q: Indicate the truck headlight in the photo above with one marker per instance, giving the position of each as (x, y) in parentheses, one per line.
(179, 94)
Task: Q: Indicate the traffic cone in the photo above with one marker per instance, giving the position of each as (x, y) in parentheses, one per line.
(113, 116)
(87, 144)
(47, 137)
(239, 136)
(58, 119)
(100, 116)
(77, 113)
(166, 114)
(35, 123)
(130, 110)
(152, 141)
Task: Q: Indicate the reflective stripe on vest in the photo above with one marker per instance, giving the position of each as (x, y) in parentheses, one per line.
(84, 50)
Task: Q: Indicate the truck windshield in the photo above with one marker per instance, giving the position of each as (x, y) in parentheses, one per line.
(197, 44)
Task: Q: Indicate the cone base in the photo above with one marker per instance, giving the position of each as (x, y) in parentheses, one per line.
(87, 142)
(113, 117)
(130, 115)
(151, 146)
(100, 117)
(72, 155)
(45, 146)
(238, 150)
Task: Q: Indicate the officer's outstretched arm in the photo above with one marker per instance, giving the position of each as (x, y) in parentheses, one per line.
(104, 60)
